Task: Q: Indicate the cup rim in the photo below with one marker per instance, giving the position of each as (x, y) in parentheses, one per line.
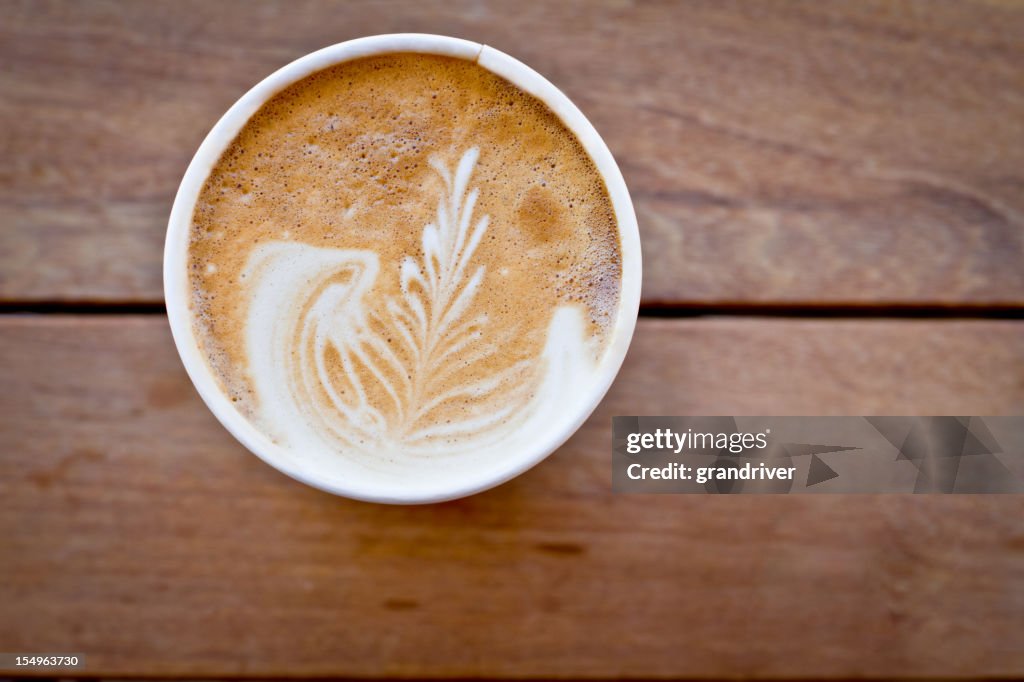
(175, 262)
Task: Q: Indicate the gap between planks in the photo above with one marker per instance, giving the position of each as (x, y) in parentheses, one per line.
(654, 310)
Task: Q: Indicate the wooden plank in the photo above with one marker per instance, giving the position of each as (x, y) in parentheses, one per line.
(784, 152)
(135, 530)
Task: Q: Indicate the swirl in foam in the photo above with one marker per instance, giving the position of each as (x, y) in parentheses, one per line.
(319, 354)
(395, 320)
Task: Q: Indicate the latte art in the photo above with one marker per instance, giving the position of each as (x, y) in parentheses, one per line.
(332, 371)
(403, 265)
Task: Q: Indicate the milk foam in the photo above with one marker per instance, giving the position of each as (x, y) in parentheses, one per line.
(404, 266)
(316, 341)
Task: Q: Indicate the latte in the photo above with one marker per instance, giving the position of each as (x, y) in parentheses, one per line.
(401, 263)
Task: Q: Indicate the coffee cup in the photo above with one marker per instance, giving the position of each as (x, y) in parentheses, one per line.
(279, 312)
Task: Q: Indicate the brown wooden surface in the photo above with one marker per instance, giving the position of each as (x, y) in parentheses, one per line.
(779, 154)
(845, 152)
(137, 531)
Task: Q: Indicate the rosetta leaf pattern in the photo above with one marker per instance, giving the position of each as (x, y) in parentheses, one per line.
(404, 364)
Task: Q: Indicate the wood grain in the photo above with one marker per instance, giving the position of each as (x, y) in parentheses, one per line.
(136, 531)
(791, 152)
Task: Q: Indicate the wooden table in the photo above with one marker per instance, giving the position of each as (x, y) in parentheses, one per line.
(831, 201)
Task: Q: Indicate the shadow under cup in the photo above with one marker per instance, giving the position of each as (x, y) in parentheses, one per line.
(529, 443)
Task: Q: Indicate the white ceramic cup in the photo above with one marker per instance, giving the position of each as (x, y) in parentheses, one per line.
(177, 293)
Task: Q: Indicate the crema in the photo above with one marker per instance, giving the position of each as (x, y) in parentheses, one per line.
(403, 262)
